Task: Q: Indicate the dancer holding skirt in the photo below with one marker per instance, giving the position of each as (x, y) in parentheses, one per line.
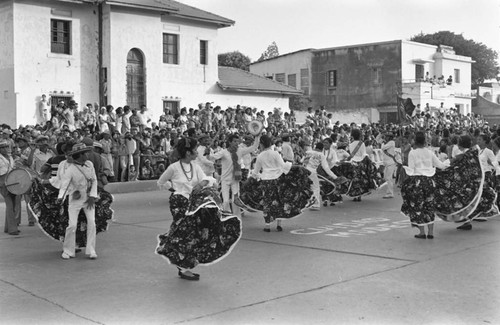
(201, 232)
(275, 187)
(418, 189)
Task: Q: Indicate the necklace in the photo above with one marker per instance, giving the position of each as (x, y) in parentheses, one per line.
(186, 173)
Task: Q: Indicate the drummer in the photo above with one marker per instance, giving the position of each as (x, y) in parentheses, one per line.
(22, 161)
(12, 201)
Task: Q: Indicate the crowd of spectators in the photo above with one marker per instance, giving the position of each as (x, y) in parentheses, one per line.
(134, 147)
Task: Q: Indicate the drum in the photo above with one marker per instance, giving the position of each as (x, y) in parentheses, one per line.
(19, 180)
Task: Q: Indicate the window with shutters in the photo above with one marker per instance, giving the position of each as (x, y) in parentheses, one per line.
(331, 78)
(203, 52)
(171, 48)
(304, 81)
(292, 80)
(60, 36)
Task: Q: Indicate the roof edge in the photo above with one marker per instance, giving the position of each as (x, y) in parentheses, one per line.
(257, 90)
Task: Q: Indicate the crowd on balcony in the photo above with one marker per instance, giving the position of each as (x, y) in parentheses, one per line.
(441, 81)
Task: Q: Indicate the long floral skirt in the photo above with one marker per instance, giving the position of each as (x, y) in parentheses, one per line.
(418, 200)
(459, 188)
(53, 218)
(363, 177)
(283, 198)
(487, 206)
(202, 234)
(330, 191)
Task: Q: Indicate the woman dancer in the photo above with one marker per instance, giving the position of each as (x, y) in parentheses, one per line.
(282, 192)
(418, 189)
(487, 205)
(200, 232)
(459, 188)
(358, 168)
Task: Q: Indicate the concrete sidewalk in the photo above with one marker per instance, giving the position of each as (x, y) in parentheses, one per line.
(354, 263)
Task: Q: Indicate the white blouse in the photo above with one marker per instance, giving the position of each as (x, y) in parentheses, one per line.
(422, 162)
(177, 179)
(488, 161)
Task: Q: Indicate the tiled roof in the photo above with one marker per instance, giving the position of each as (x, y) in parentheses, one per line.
(239, 80)
(175, 8)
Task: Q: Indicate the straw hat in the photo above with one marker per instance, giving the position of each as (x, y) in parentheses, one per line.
(78, 148)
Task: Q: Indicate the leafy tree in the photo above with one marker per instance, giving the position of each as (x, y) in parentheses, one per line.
(486, 65)
(299, 102)
(271, 52)
(234, 59)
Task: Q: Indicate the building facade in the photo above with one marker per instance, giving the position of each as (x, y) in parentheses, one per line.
(362, 82)
(157, 53)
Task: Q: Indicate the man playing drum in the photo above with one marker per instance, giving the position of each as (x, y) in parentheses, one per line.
(22, 161)
(12, 201)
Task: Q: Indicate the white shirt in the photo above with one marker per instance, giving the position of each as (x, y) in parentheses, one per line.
(488, 161)
(389, 147)
(422, 162)
(40, 158)
(204, 162)
(455, 151)
(78, 178)
(177, 178)
(331, 157)
(6, 165)
(287, 151)
(227, 161)
(360, 154)
(316, 159)
(144, 118)
(270, 165)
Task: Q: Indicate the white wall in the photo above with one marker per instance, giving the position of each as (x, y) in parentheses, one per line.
(188, 80)
(288, 64)
(37, 70)
(265, 102)
(411, 51)
(444, 64)
(7, 92)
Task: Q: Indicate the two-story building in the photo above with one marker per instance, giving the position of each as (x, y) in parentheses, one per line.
(157, 53)
(362, 83)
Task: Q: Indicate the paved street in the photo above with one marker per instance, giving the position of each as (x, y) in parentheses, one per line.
(355, 263)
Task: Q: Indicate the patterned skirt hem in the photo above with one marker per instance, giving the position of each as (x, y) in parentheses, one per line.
(223, 218)
(462, 214)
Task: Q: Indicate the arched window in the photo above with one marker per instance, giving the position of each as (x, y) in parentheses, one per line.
(136, 79)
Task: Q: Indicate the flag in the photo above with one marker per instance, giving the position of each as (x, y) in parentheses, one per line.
(405, 109)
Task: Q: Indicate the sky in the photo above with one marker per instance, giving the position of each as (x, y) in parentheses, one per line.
(302, 24)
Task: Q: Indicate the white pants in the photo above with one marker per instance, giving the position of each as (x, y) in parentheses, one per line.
(315, 188)
(389, 178)
(70, 237)
(235, 189)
